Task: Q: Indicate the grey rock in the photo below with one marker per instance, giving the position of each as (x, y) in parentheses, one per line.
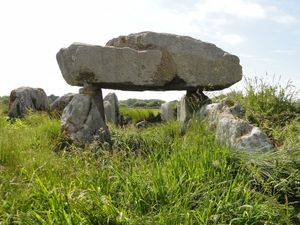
(26, 98)
(81, 121)
(52, 98)
(111, 108)
(60, 103)
(150, 61)
(168, 111)
(190, 104)
(233, 131)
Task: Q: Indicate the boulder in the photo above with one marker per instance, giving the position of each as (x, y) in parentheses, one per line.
(60, 103)
(168, 111)
(81, 121)
(189, 104)
(150, 61)
(111, 109)
(230, 129)
(26, 98)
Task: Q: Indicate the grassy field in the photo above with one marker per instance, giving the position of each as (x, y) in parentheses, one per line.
(156, 175)
(138, 114)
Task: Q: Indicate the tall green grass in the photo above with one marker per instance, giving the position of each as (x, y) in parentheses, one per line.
(153, 176)
(271, 106)
(138, 114)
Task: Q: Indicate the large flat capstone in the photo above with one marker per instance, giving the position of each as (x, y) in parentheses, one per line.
(150, 61)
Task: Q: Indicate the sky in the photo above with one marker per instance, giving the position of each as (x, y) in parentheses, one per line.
(264, 34)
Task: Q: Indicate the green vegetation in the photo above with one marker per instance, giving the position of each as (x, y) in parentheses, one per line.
(138, 114)
(273, 108)
(155, 175)
(141, 103)
(4, 101)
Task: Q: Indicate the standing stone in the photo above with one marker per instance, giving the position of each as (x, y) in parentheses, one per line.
(168, 111)
(111, 109)
(26, 98)
(81, 121)
(60, 103)
(189, 104)
(233, 131)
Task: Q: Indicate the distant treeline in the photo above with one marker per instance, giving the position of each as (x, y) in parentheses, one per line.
(141, 103)
(129, 103)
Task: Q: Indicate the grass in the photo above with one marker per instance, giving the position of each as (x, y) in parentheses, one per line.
(272, 107)
(155, 175)
(138, 114)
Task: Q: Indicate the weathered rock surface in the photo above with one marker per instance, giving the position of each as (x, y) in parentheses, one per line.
(60, 103)
(150, 61)
(168, 111)
(26, 98)
(81, 121)
(111, 108)
(189, 104)
(231, 130)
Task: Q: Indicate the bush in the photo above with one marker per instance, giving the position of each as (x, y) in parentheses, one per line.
(4, 103)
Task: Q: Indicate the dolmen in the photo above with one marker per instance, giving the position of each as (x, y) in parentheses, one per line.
(139, 62)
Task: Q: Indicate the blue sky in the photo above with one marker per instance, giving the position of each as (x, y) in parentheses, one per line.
(264, 34)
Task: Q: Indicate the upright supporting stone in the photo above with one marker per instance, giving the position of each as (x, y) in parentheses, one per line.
(96, 93)
(190, 104)
(82, 120)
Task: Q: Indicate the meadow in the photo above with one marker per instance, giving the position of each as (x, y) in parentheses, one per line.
(157, 175)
